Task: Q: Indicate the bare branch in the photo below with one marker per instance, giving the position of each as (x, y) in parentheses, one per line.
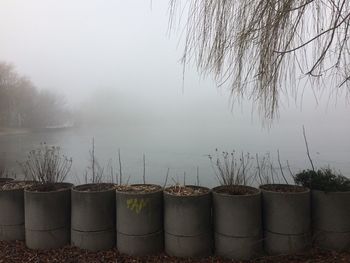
(260, 49)
(307, 150)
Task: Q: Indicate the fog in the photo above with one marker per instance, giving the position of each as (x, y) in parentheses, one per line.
(119, 68)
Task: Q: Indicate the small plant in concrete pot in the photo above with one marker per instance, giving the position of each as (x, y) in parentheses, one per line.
(5, 175)
(187, 221)
(47, 203)
(236, 208)
(93, 210)
(4, 180)
(12, 202)
(330, 197)
(139, 212)
(286, 213)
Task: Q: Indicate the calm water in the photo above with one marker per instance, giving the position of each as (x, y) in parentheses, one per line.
(182, 148)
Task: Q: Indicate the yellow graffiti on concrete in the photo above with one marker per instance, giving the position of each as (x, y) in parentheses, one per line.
(136, 204)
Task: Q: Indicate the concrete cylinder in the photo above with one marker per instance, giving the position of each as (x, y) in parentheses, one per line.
(140, 221)
(286, 218)
(187, 224)
(331, 219)
(12, 217)
(237, 223)
(93, 216)
(47, 211)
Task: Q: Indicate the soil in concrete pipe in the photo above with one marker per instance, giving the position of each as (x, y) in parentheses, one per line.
(187, 221)
(237, 222)
(93, 216)
(12, 205)
(4, 180)
(47, 213)
(286, 218)
(139, 212)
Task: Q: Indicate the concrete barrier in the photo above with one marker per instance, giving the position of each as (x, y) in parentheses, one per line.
(331, 219)
(12, 215)
(140, 220)
(187, 224)
(237, 223)
(93, 216)
(47, 215)
(286, 219)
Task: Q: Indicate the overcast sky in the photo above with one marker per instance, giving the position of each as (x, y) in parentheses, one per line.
(82, 45)
(76, 47)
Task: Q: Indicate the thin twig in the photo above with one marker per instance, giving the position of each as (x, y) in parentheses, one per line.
(290, 171)
(120, 168)
(166, 178)
(144, 169)
(197, 175)
(93, 160)
(258, 167)
(279, 162)
(307, 150)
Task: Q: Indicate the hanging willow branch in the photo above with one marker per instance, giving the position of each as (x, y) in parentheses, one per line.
(263, 48)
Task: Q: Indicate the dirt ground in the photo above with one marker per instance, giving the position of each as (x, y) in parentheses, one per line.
(11, 252)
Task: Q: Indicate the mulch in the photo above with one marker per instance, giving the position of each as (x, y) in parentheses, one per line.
(236, 190)
(49, 187)
(188, 190)
(284, 188)
(14, 252)
(94, 187)
(15, 185)
(139, 188)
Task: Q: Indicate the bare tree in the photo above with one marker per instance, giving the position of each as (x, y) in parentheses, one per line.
(23, 105)
(262, 49)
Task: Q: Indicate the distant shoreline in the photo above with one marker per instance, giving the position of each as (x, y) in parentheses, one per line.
(13, 131)
(4, 131)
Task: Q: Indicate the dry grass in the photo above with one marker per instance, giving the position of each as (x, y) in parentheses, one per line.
(46, 165)
(232, 168)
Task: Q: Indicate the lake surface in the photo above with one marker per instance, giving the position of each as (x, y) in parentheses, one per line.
(181, 148)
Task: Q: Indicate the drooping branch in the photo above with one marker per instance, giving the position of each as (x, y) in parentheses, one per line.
(262, 48)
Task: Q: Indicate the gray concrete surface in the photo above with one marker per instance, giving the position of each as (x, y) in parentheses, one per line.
(47, 217)
(143, 245)
(237, 225)
(12, 215)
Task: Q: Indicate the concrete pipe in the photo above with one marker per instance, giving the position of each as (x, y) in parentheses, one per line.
(12, 217)
(47, 214)
(187, 223)
(237, 222)
(139, 213)
(286, 218)
(93, 216)
(331, 219)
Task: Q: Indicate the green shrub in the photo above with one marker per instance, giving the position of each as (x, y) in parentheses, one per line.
(324, 179)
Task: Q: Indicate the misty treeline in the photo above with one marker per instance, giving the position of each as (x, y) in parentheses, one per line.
(24, 105)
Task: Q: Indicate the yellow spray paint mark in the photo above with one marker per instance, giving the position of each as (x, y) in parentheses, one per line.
(136, 205)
